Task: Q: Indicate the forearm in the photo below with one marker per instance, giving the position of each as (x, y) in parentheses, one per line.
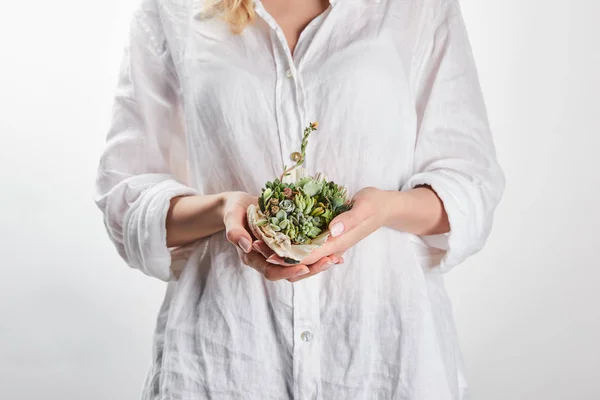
(419, 211)
(194, 217)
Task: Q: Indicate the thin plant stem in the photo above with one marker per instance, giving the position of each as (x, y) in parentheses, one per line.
(307, 131)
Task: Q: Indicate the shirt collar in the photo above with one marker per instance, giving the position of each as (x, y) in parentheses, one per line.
(199, 11)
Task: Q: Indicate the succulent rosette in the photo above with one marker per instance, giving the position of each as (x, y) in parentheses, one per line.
(294, 210)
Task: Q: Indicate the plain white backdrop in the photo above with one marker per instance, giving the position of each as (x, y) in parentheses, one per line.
(77, 323)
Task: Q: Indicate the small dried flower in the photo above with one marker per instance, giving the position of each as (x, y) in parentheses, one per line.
(274, 201)
(274, 210)
(287, 192)
(314, 125)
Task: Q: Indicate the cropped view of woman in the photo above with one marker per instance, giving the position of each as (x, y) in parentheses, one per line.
(211, 103)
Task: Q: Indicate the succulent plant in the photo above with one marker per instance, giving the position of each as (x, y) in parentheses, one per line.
(294, 210)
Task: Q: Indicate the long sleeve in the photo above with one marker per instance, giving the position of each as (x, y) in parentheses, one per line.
(454, 152)
(143, 165)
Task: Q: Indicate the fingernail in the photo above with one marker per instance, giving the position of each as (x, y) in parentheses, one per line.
(326, 266)
(303, 271)
(245, 244)
(264, 248)
(271, 259)
(336, 229)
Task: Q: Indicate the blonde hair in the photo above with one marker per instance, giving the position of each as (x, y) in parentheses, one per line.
(237, 13)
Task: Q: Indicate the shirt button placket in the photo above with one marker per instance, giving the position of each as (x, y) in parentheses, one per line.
(289, 110)
(284, 99)
(306, 350)
(307, 357)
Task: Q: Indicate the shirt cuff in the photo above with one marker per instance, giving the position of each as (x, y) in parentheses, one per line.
(145, 232)
(440, 253)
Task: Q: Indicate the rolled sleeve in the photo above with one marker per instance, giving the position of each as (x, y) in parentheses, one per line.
(143, 165)
(145, 231)
(454, 151)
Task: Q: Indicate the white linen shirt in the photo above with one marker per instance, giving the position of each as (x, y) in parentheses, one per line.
(199, 110)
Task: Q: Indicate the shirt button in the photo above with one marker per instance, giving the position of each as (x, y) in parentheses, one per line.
(295, 156)
(306, 336)
(288, 73)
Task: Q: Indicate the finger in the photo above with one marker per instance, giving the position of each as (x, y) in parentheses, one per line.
(261, 247)
(235, 229)
(276, 272)
(336, 259)
(345, 222)
(277, 260)
(322, 265)
(332, 246)
(270, 271)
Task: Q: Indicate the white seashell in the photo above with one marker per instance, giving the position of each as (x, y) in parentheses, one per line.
(277, 241)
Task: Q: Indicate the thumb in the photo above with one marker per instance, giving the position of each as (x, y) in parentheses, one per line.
(235, 229)
(344, 222)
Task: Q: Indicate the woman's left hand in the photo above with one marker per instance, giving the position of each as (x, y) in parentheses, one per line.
(368, 213)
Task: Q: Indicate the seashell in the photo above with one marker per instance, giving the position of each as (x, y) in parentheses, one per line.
(277, 241)
(280, 243)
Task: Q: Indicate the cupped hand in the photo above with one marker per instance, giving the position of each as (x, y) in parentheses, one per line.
(236, 231)
(368, 214)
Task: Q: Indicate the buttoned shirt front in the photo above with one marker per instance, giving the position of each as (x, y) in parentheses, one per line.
(199, 110)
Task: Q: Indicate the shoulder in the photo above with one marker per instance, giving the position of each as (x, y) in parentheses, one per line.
(162, 22)
(153, 13)
(421, 13)
(421, 20)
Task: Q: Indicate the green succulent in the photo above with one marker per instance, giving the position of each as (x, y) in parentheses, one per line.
(287, 206)
(304, 209)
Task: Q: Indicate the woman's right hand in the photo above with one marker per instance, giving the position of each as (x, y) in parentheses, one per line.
(236, 231)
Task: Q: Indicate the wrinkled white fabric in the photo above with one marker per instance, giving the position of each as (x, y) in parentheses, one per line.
(198, 110)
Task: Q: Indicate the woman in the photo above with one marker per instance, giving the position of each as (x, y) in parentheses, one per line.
(211, 103)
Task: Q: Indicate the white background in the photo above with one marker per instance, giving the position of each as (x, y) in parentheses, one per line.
(76, 322)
